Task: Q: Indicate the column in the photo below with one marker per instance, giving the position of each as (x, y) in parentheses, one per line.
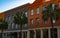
(17, 34)
(6, 35)
(2, 35)
(49, 33)
(22, 34)
(28, 34)
(35, 34)
(58, 31)
(9, 35)
(41, 33)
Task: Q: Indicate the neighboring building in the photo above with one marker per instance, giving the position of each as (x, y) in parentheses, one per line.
(1, 17)
(37, 27)
(9, 17)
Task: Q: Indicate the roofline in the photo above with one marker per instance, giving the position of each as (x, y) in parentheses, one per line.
(16, 7)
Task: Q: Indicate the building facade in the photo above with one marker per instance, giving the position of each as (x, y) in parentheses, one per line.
(13, 30)
(39, 28)
(1, 17)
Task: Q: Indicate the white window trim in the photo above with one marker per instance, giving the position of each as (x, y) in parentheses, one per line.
(32, 12)
(37, 10)
(47, 0)
(31, 21)
(45, 21)
(59, 4)
(44, 8)
(54, 20)
(16, 26)
(53, 6)
(37, 20)
(26, 13)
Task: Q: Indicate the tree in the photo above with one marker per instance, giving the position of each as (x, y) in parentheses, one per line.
(20, 19)
(3, 24)
(51, 11)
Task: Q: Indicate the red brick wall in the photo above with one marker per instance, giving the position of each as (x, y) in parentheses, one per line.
(40, 4)
(1, 15)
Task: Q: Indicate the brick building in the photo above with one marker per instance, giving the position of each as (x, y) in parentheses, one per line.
(38, 28)
(1, 15)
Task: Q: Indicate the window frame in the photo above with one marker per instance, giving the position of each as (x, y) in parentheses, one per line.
(32, 12)
(31, 22)
(47, 0)
(45, 21)
(44, 8)
(37, 21)
(38, 10)
(59, 4)
(26, 13)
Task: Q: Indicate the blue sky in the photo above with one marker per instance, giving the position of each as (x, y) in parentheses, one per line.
(9, 4)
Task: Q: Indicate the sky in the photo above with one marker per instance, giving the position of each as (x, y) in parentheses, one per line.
(10, 4)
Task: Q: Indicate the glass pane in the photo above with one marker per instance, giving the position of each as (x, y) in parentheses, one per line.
(37, 10)
(32, 12)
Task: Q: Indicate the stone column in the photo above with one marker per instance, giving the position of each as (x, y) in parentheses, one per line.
(22, 34)
(6, 35)
(35, 34)
(2, 35)
(49, 33)
(41, 33)
(58, 32)
(9, 35)
(17, 34)
(28, 34)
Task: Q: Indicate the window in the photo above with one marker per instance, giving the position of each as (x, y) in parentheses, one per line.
(16, 26)
(9, 25)
(59, 4)
(37, 21)
(47, 0)
(9, 18)
(53, 6)
(45, 21)
(32, 12)
(44, 8)
(25, 25)
(31, 21)
(37, 10)
(26, 14)
(6, 19)
(12, 25)
(53, 20)
(12, 18)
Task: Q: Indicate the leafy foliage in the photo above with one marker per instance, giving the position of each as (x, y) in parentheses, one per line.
(20, 18)
(52, 13)
(3, 24)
